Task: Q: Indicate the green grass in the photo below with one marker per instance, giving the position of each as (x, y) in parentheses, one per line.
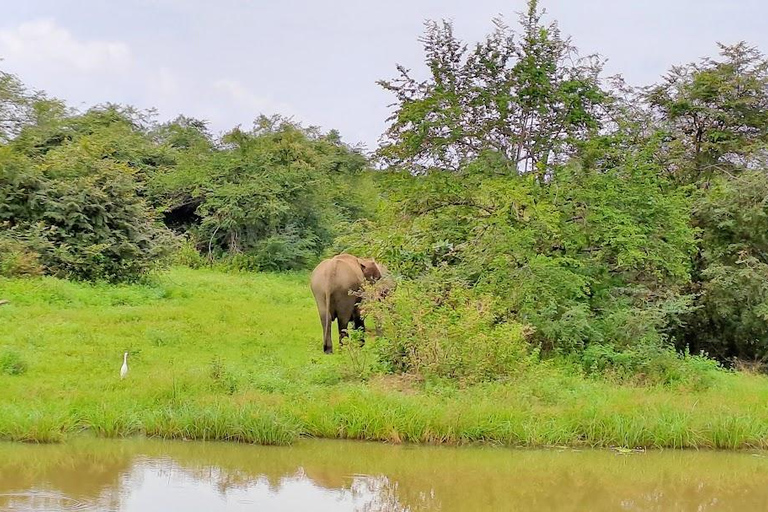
(238, 357)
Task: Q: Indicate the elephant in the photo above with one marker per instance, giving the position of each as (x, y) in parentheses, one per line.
(335, 283)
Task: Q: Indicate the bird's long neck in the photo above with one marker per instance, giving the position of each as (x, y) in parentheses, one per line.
(125, 357)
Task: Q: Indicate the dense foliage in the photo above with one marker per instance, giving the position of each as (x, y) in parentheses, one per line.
(271, 198)
(589, 259)
(72, 202)
(731, 282)
(107, 194)
(605, 225)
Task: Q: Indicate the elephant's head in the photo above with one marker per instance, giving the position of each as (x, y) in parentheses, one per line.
(371, 269)
(386, 283)
(380, 276)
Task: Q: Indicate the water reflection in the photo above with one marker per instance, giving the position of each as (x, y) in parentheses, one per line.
(143, 476)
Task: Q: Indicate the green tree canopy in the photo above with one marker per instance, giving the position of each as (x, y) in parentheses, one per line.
(273, 195)
(715, 114)
(524, 95)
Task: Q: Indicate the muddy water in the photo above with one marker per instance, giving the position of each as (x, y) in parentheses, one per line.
(144, 476)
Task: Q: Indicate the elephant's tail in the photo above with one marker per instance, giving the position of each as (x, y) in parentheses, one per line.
(331, 279)
(328, 319)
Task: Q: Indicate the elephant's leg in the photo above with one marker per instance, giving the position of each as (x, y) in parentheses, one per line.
(359, 322)
(343, 320)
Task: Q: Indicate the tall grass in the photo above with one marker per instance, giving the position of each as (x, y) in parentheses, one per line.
(238, 357)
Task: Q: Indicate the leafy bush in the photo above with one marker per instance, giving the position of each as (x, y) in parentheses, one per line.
(71, 190)
(83, 190)
(587, 258)
(731, 315)
(448, 333)
(81, 215)
(187, 255)
(222, 378)
(648, 364)
(17, 259)
(282, 251)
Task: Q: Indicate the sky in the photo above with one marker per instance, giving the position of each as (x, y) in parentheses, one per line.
(227, 61)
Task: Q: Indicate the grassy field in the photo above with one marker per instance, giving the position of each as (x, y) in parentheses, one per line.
(239, 357)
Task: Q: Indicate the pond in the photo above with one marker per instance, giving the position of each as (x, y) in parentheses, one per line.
(319, 475)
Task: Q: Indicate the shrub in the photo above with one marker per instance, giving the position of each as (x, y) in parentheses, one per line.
(731, 315)
(562, 256)
(221, 376)
(188, 256)
(283, 251)
(82, 216)
(17, 259)
(448, 333)
(271, 198)
(648, 365)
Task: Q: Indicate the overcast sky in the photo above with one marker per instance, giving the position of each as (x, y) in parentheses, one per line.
(229, 60)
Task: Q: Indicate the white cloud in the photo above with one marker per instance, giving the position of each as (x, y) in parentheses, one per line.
(164, 82)
(44, 42)
(84, 72)
(242, 97)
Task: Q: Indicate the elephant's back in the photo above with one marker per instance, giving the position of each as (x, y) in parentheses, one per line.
(335, 274)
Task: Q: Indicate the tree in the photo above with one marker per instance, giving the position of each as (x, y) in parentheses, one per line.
(714, 114)
(20, 107)
(712, 120)
(273, 196)
(72, 188)
(525, 96)
(731, 273)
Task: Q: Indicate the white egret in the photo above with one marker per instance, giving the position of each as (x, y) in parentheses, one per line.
(124, 368)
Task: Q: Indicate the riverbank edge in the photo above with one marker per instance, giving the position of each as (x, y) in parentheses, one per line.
(626, 418)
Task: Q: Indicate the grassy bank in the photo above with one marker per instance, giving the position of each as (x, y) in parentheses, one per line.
(239, 357)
